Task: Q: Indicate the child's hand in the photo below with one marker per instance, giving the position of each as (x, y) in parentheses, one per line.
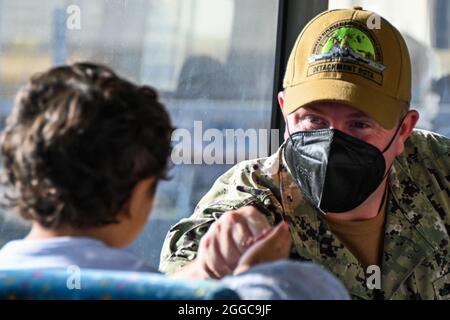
(273, 244)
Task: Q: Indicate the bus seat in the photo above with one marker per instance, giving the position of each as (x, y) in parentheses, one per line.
(102, 284)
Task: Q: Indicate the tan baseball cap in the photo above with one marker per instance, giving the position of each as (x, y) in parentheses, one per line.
(351, 56)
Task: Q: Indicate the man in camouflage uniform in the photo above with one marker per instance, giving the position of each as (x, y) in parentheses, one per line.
(338, 66)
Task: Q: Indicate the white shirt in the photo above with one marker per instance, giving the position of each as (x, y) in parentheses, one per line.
(61, 252)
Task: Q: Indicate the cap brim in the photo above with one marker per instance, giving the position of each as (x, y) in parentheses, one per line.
(382, 108)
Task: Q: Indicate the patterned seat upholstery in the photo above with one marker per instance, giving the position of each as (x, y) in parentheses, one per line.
(102, 284)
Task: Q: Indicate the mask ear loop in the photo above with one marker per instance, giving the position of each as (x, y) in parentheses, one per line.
(395, 134)
(390, 143)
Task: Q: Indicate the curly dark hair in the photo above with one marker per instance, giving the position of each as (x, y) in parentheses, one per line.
(78, 140)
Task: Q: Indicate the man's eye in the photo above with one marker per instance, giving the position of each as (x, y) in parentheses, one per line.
(316, 121)
(359, 125)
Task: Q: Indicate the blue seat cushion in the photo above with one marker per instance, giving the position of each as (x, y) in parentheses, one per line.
(101, 284)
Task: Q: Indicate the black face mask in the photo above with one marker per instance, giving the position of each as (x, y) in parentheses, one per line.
(335, 171)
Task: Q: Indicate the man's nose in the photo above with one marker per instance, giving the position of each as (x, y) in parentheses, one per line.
(337, 126)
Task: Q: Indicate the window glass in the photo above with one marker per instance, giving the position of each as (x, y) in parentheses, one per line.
(425, 27)
(212, 61)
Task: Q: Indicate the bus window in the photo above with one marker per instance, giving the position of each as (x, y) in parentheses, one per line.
(212, 61)
(425, 27)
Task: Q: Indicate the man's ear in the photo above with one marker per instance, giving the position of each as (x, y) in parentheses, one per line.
(281, 100)
(281, 103)
(409, 123)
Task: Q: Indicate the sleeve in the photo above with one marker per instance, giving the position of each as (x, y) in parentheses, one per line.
(430, 163)
(287, 280)
(244, 184)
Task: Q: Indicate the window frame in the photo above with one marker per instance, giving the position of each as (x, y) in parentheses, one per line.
(293, 15)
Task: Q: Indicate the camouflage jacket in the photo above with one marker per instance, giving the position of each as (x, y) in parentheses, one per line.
(416, 253)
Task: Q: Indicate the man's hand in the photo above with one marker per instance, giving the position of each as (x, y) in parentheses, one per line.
(237, 241)
(228, 238)
(273, 244)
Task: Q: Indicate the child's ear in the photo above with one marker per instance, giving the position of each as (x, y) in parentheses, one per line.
(140, 198)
